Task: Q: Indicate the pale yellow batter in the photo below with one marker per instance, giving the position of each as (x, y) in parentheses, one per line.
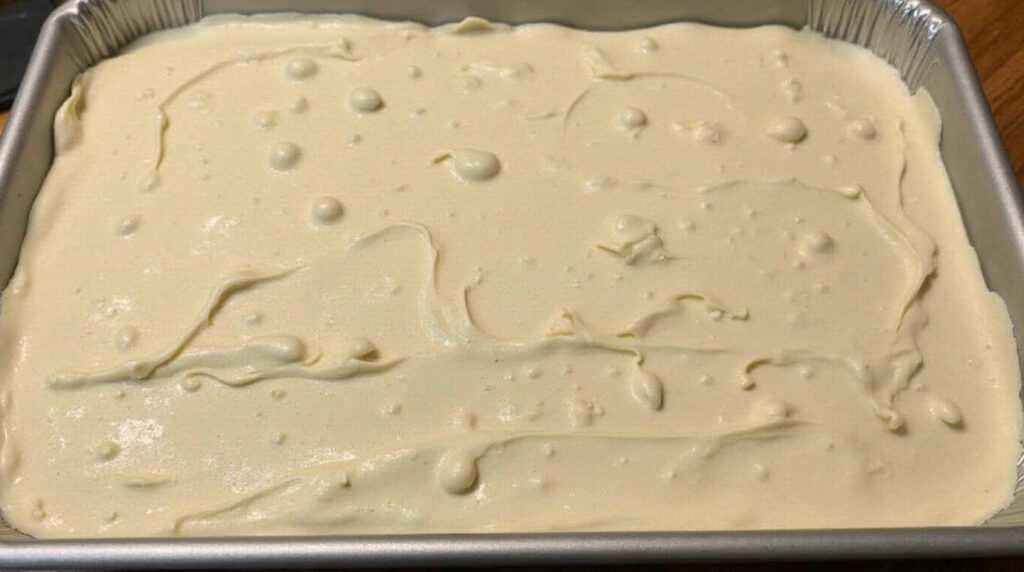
(334, 275)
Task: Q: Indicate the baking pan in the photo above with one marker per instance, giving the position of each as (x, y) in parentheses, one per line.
(913, 35)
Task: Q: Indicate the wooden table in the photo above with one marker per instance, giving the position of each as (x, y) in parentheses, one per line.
(995, 35)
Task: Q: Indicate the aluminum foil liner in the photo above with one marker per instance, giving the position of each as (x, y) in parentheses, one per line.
(900, 31)
(101, 28)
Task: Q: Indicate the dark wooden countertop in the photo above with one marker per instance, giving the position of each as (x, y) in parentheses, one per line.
(994, 30)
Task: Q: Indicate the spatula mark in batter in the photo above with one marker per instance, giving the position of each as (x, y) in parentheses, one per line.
(352, 358)
(444, 323)
(137, 370)
(600, 68)
(636, 241)
(880, 379)
(456, 465)
(152, 176)
(674, 306)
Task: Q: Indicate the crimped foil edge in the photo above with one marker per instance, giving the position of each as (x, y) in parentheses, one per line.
(102, 27)
(900, 31)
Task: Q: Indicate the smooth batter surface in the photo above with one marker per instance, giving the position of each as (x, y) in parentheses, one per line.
(333, 275)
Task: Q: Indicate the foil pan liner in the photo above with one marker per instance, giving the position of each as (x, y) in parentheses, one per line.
(103, 28)
(912, 35)
(901, 31)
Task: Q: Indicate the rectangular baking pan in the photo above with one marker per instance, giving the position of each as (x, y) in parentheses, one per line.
(913, 35)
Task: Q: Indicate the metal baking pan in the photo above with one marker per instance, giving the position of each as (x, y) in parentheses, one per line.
(913, 35)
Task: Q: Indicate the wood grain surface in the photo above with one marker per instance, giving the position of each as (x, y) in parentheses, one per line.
(994, 30)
